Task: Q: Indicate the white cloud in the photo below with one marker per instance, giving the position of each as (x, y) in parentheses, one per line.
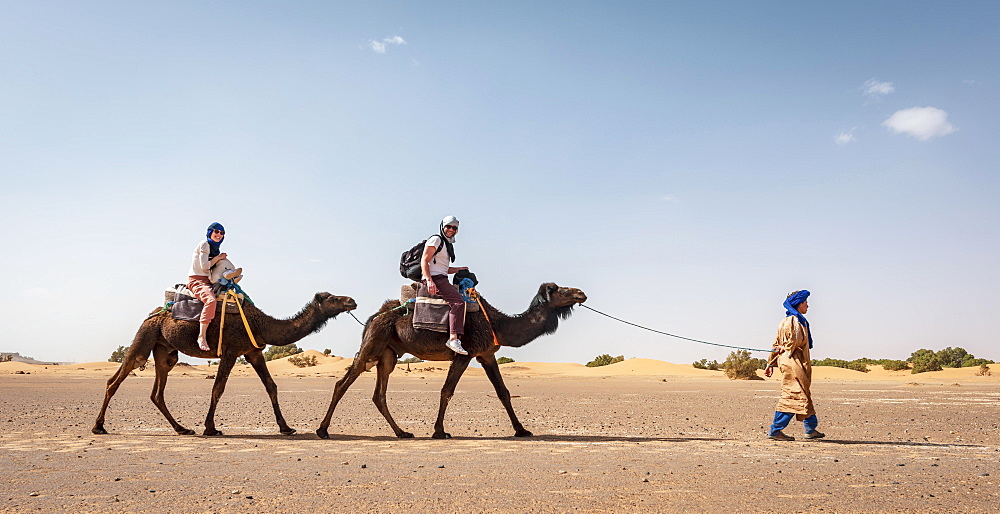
(972, 82)
(875, 90)
(668, 198)
(922, 123)
(380, 47)
(845, 137)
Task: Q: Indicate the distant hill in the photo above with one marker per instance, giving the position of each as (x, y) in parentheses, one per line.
(17, 357)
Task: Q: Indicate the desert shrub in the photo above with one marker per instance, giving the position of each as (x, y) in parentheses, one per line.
(409, 360)
(280, 352)
(895, 365)
(10, 356)
(302, 361)
(924, 360)
(856, 365)
(984, 371)
(740, 366)
(504, 360)
(242, 360)
(705, 364)
(604, 360)
(327, 351)
(116, 356)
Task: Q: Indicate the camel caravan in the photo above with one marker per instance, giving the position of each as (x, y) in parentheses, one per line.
(445, 323)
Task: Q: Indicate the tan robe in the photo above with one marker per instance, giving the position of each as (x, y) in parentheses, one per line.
(796, 368)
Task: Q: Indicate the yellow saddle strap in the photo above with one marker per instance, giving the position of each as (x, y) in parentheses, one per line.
(222, 322)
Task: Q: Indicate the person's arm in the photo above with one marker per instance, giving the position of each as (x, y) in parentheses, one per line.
(425, 268)
(456, 270)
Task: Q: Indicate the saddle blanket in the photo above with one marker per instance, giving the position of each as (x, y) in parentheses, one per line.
(186, 306)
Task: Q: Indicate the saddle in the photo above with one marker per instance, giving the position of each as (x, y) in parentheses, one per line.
(430, 312)
(182, 303)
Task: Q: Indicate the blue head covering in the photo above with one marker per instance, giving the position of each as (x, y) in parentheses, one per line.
(791, 309)
(213, 247)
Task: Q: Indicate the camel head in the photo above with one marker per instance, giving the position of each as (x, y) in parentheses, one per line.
(334, 305)
(559, 297)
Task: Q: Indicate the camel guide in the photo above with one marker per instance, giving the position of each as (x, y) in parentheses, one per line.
(791, 352)
(435, 267)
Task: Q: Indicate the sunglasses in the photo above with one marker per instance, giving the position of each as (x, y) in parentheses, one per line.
(214, 231)
(453, 227)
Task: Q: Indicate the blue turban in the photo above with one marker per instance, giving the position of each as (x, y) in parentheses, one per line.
(791, 304)
(213, 247)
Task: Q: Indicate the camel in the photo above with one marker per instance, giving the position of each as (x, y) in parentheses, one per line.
(164, 337)
(389, 334)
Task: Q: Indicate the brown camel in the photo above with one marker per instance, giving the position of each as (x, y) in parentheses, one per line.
(389, 334)
(164, 337)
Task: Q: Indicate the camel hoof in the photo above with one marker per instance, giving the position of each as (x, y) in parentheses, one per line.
(441, 435)
(212, 432)
(322, 433)
(185, 431)
(523, 433)
(288, 431)
(404, 435)
(99, 431)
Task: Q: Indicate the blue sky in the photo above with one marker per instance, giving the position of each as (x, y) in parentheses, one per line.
(685, 164)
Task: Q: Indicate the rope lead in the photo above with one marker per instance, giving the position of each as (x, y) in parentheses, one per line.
(671, 335)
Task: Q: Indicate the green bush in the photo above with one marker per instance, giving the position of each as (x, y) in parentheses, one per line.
(504, 360)
(895, 365)
(302, 361)
(856, 365)
(705, 364)
(242, 360)
(740, 366)
(116, 356)
(984, 371)
(327, 351)
(280, 352)
(409, 360)
(604, 360)
(924, 360)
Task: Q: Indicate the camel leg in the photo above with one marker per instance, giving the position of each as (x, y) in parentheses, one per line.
(356, 369)
(458, 365)
(134, 357)
(256, 359)
(165, 360)
(386, 365)
(221, 376)
(492, 369)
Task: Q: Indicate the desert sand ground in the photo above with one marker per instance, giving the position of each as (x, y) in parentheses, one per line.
(640, 435)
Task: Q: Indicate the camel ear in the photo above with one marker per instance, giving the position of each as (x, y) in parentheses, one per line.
(320, 297)
(546, 291)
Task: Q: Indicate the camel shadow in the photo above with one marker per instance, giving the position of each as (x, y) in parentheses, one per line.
(900, 443)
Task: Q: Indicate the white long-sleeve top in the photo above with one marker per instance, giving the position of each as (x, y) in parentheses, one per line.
(200, 261)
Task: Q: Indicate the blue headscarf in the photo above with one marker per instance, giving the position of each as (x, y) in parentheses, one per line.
(213, 247)
(791, 304)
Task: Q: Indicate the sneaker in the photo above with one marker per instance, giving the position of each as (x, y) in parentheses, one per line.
(815, 434)
(232, 273)
(456, 346)
(780, 436)
(203, 344)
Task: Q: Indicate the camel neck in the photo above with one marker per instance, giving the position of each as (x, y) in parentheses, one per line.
(521, 329)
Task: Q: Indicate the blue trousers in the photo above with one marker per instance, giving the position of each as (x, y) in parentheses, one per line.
(781, 420)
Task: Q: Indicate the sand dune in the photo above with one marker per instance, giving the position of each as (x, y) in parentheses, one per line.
(333, 365)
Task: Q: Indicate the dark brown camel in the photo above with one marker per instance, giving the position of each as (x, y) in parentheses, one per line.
(389, 334)
(164, 337)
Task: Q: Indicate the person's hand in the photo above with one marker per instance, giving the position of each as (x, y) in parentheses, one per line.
(222, 255)
(768, 371)
(432, 288)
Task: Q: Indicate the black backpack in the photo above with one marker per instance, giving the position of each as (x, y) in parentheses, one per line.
(409, 262)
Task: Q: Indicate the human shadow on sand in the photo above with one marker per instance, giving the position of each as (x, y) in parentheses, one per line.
(901, 443)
